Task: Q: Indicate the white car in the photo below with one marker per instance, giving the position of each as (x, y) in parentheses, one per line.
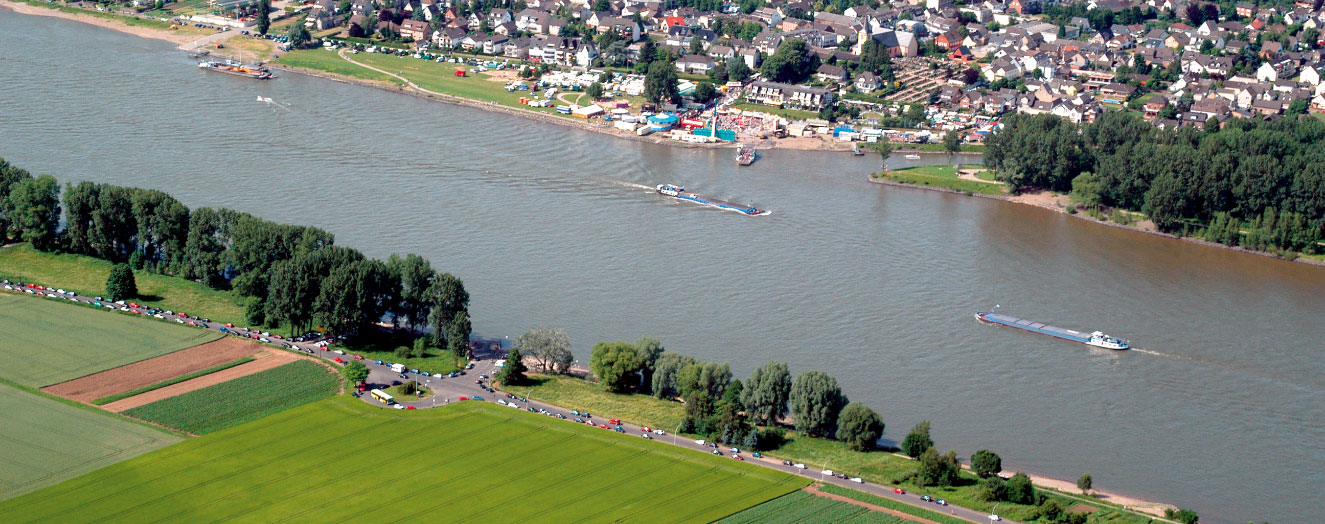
(659, 432)
(799, 466)
(501, 401)
(858, 480)
(994, 518)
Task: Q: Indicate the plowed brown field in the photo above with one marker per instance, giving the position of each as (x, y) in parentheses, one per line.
(267, 359)
(154, 370)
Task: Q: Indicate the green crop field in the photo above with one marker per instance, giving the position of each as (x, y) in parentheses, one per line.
(243, 399)
(47, 341)
(47, 441)
(322, 60)
(343, 460)
(803, 508)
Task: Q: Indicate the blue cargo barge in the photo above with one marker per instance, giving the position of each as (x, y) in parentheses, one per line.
(1097, 339)
(675, 191)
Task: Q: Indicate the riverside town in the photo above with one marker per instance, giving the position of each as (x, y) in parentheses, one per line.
(656, 261)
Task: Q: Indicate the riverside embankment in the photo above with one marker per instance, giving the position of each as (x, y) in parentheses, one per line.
(875, 285)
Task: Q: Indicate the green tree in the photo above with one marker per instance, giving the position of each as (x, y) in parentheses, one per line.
(416, 279)
(595, 91)
(737, 70)
(549, 347)
(616, 364)
(660, 82)
(299, 36)
(952, 142)
(816, 401)
(650, 350)
(1166, 202)
(991, 489)
(1297, 107)
(791, 63)
(10, 176)
(986, 463)
(705, 93)
(665, 373)
(1185, 516)
(918, 440)
(1020, 490)
(1084, 483)
(885, 149)
(120, 285)
(1087, 190)
(767, 391)
(264, 16)
(513, 373)
(704, 378)
(696, 45)
(355, 372)
(33, 211)
(938, 470)
(458, 333)
(447, 297)
(859, 426)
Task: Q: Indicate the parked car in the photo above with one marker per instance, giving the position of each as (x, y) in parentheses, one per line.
(338, 360)
(478, 398)
(899, 491)
(378, 362)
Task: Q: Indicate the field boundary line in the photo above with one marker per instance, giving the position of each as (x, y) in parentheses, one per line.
(813, 489)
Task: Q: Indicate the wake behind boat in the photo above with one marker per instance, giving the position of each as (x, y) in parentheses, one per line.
(676, 191)
(1097, 339)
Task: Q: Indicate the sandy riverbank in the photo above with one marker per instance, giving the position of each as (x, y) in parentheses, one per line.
(116, 25)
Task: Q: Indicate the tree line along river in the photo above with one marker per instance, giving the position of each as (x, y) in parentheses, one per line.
(1218, 410)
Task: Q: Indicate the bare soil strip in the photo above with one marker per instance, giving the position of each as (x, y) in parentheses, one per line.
(154, 370)
(267, 359)
(813, 489)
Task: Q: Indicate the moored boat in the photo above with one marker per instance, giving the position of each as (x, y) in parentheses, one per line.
(912, 157)
(1096, 338)
(679, 192)
(236, 68)
(745, 155)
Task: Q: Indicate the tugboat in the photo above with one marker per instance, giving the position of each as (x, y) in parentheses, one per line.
(679, 192)
(1097, 338)
(236, 68)
(745, 155)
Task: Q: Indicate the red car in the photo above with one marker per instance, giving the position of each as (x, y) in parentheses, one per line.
(899, 491)
(410, 407)
(738, 457)
(602, 426)
(615, 422)
(229, 325)
(464, 398)
(358, 357)
(338, 360)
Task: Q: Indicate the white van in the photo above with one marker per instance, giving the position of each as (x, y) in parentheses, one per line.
(398, 368)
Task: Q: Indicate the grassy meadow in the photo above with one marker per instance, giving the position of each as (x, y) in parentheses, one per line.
(943, 176)
(87, 276)
(344, 460)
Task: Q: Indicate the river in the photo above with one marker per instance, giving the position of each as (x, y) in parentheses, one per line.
(1219, 409)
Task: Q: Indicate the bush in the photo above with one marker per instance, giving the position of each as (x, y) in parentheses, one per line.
(409, 388)
(1071, 209)
(1185, 516)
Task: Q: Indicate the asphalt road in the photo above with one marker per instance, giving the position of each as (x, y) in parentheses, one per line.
(450, 389)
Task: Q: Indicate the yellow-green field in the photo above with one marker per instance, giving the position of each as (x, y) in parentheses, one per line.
(342, 460)
(46, 441)
(47, 341)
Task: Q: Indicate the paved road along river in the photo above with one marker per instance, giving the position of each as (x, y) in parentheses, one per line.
(1218, 410)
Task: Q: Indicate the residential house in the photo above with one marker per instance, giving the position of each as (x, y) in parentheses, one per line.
(787, 95)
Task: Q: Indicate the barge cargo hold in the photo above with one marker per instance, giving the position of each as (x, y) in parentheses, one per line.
(233, 67)
(1097, 339)
(675, 191)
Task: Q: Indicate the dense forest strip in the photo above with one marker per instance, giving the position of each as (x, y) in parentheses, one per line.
(1251, 183)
